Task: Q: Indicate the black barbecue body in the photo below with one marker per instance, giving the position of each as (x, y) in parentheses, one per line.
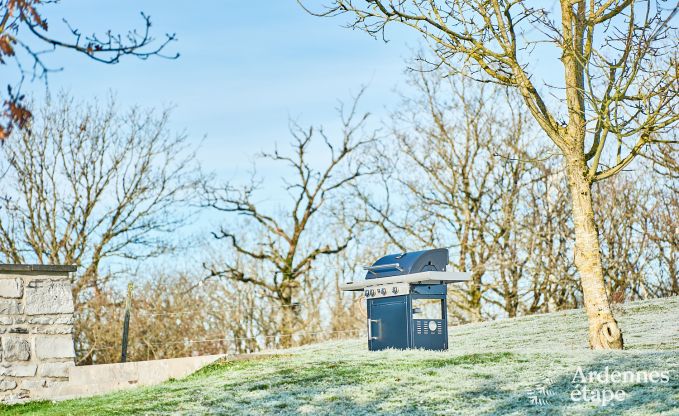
(416, 319)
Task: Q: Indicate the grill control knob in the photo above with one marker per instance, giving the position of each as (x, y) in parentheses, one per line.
(366, 293)
(394, 290)
(372, 292)
(383, 291)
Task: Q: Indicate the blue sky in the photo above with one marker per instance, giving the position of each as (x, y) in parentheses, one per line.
(244, 70)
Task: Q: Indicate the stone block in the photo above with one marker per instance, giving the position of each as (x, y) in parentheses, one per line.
(16, 397)
(55, 369)
(11, 288)
(56, 384)
(53, 329)
(16, 349)
(48, 297)
(10, 307)
(19, 319)
(54, 346)
(33, 384)
(51, 320)
(7, 385)
(18, 370)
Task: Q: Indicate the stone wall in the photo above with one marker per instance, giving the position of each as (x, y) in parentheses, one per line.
(36, 330)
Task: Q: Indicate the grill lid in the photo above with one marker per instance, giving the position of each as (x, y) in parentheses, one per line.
(408, 263)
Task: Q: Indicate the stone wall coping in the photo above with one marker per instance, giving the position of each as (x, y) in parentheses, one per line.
(37, 268)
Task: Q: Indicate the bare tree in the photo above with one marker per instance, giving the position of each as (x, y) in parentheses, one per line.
(24, 36)
(658, 232)
(451, 186)
(87, 184)
(287, 245)
(548, 232)
(625, 240)
(618, 94)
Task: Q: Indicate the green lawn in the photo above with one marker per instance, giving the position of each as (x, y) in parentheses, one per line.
(498, 367)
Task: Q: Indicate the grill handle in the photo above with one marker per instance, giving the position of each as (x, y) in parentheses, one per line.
(373, 269)
(370, 328)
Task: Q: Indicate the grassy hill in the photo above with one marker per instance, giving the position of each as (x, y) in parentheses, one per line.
(515, 366)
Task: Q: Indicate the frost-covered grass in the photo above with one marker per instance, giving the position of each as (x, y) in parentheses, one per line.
(491, 368)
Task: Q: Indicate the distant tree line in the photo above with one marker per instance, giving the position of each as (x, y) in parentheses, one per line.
(455, 166)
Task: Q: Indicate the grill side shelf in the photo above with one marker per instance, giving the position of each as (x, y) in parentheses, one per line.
(431, 277)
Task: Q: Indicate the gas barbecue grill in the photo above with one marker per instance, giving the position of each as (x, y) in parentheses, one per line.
(406, 300)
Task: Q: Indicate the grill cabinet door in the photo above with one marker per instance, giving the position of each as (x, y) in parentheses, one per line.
(388, 323)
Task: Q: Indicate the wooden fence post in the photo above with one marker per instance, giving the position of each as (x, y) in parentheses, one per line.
(126, 322)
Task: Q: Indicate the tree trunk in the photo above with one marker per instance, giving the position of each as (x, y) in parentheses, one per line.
(287, 328)
(604, 332)
(475, 296)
